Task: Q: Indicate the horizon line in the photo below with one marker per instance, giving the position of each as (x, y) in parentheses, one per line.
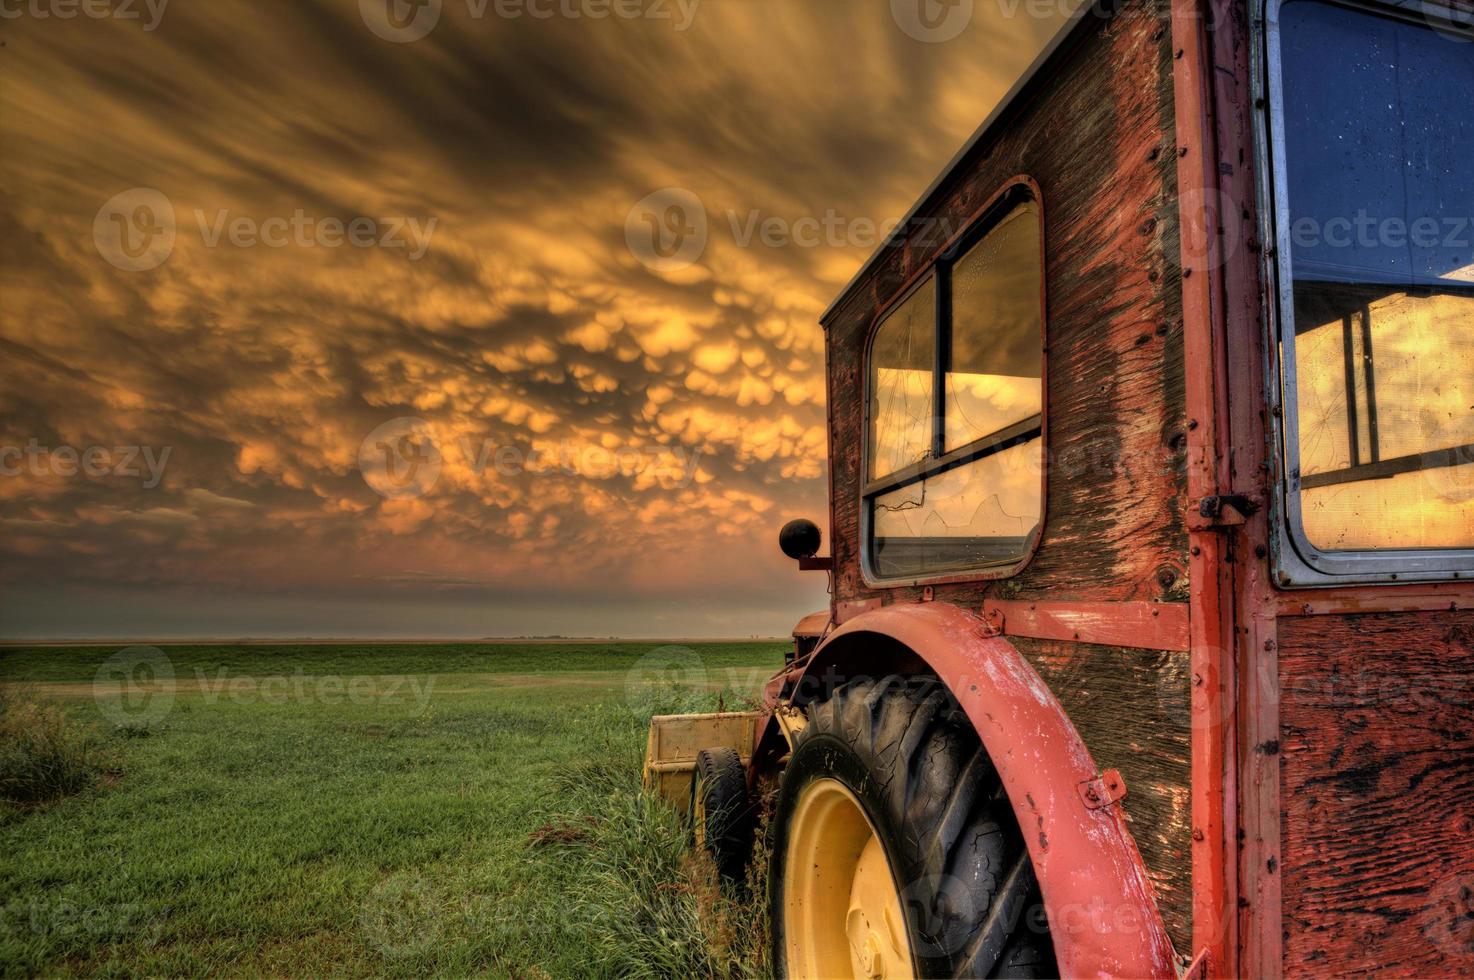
(405, 641)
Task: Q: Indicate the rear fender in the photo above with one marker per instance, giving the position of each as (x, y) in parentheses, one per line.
(1102, 914)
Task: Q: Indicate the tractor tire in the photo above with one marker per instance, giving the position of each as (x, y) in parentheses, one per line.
(721, 814)
(895, 851)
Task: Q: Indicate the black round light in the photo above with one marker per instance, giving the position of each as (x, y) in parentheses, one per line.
(799, 539)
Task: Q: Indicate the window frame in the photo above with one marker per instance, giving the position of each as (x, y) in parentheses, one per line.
(1297, 561)
(936, 271)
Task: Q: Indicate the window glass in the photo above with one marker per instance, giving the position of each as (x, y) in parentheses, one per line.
(960, 490)
(1379, 152)
(996, 353)
(979, 514)
(901, 361)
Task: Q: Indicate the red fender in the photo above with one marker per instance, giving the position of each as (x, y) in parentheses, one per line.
(1099, 900)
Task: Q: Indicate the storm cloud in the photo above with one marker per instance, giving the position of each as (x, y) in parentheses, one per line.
(579, 258)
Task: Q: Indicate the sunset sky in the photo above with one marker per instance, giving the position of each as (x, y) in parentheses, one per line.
(607, 401)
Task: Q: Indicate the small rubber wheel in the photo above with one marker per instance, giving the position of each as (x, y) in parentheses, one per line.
(721, 814)
(895, 851)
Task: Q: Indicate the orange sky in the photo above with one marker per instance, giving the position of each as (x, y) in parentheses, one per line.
(613, 417)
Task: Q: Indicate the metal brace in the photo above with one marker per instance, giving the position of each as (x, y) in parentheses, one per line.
(1105, 790)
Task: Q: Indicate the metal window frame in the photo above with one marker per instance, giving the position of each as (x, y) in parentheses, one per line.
(936, 272)
(1297, 561)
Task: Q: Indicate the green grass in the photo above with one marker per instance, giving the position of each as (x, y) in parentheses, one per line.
(44, 755)
(485, 819)
(80, 663)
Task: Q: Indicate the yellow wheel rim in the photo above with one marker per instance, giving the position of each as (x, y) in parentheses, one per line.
(842, 915)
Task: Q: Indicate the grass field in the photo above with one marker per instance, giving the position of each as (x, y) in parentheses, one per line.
(352, 810)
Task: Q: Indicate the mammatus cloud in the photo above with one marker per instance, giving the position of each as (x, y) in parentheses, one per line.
(356, 230)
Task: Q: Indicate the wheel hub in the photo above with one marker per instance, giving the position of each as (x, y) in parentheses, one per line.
(842, 911)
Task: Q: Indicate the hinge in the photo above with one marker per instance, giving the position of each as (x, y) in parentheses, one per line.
(1223, 510)
(1106, 789)
(992, 621)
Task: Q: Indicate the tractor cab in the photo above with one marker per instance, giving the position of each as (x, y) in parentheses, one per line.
(1150, 539)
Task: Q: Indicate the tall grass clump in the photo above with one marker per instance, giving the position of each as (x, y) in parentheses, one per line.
(642, 901)
(44, 754)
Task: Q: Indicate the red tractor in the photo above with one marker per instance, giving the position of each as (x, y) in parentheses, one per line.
(1151, 642)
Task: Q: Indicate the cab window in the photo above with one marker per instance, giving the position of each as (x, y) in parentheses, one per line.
(1376, 174)
(955, 382)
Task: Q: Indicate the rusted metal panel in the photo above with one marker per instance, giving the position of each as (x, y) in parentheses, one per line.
(1094, 134)
(1131, 707)
(807, 633)
(1148, 625)
(1377, 734)
(1097, 892)
(812, 625)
